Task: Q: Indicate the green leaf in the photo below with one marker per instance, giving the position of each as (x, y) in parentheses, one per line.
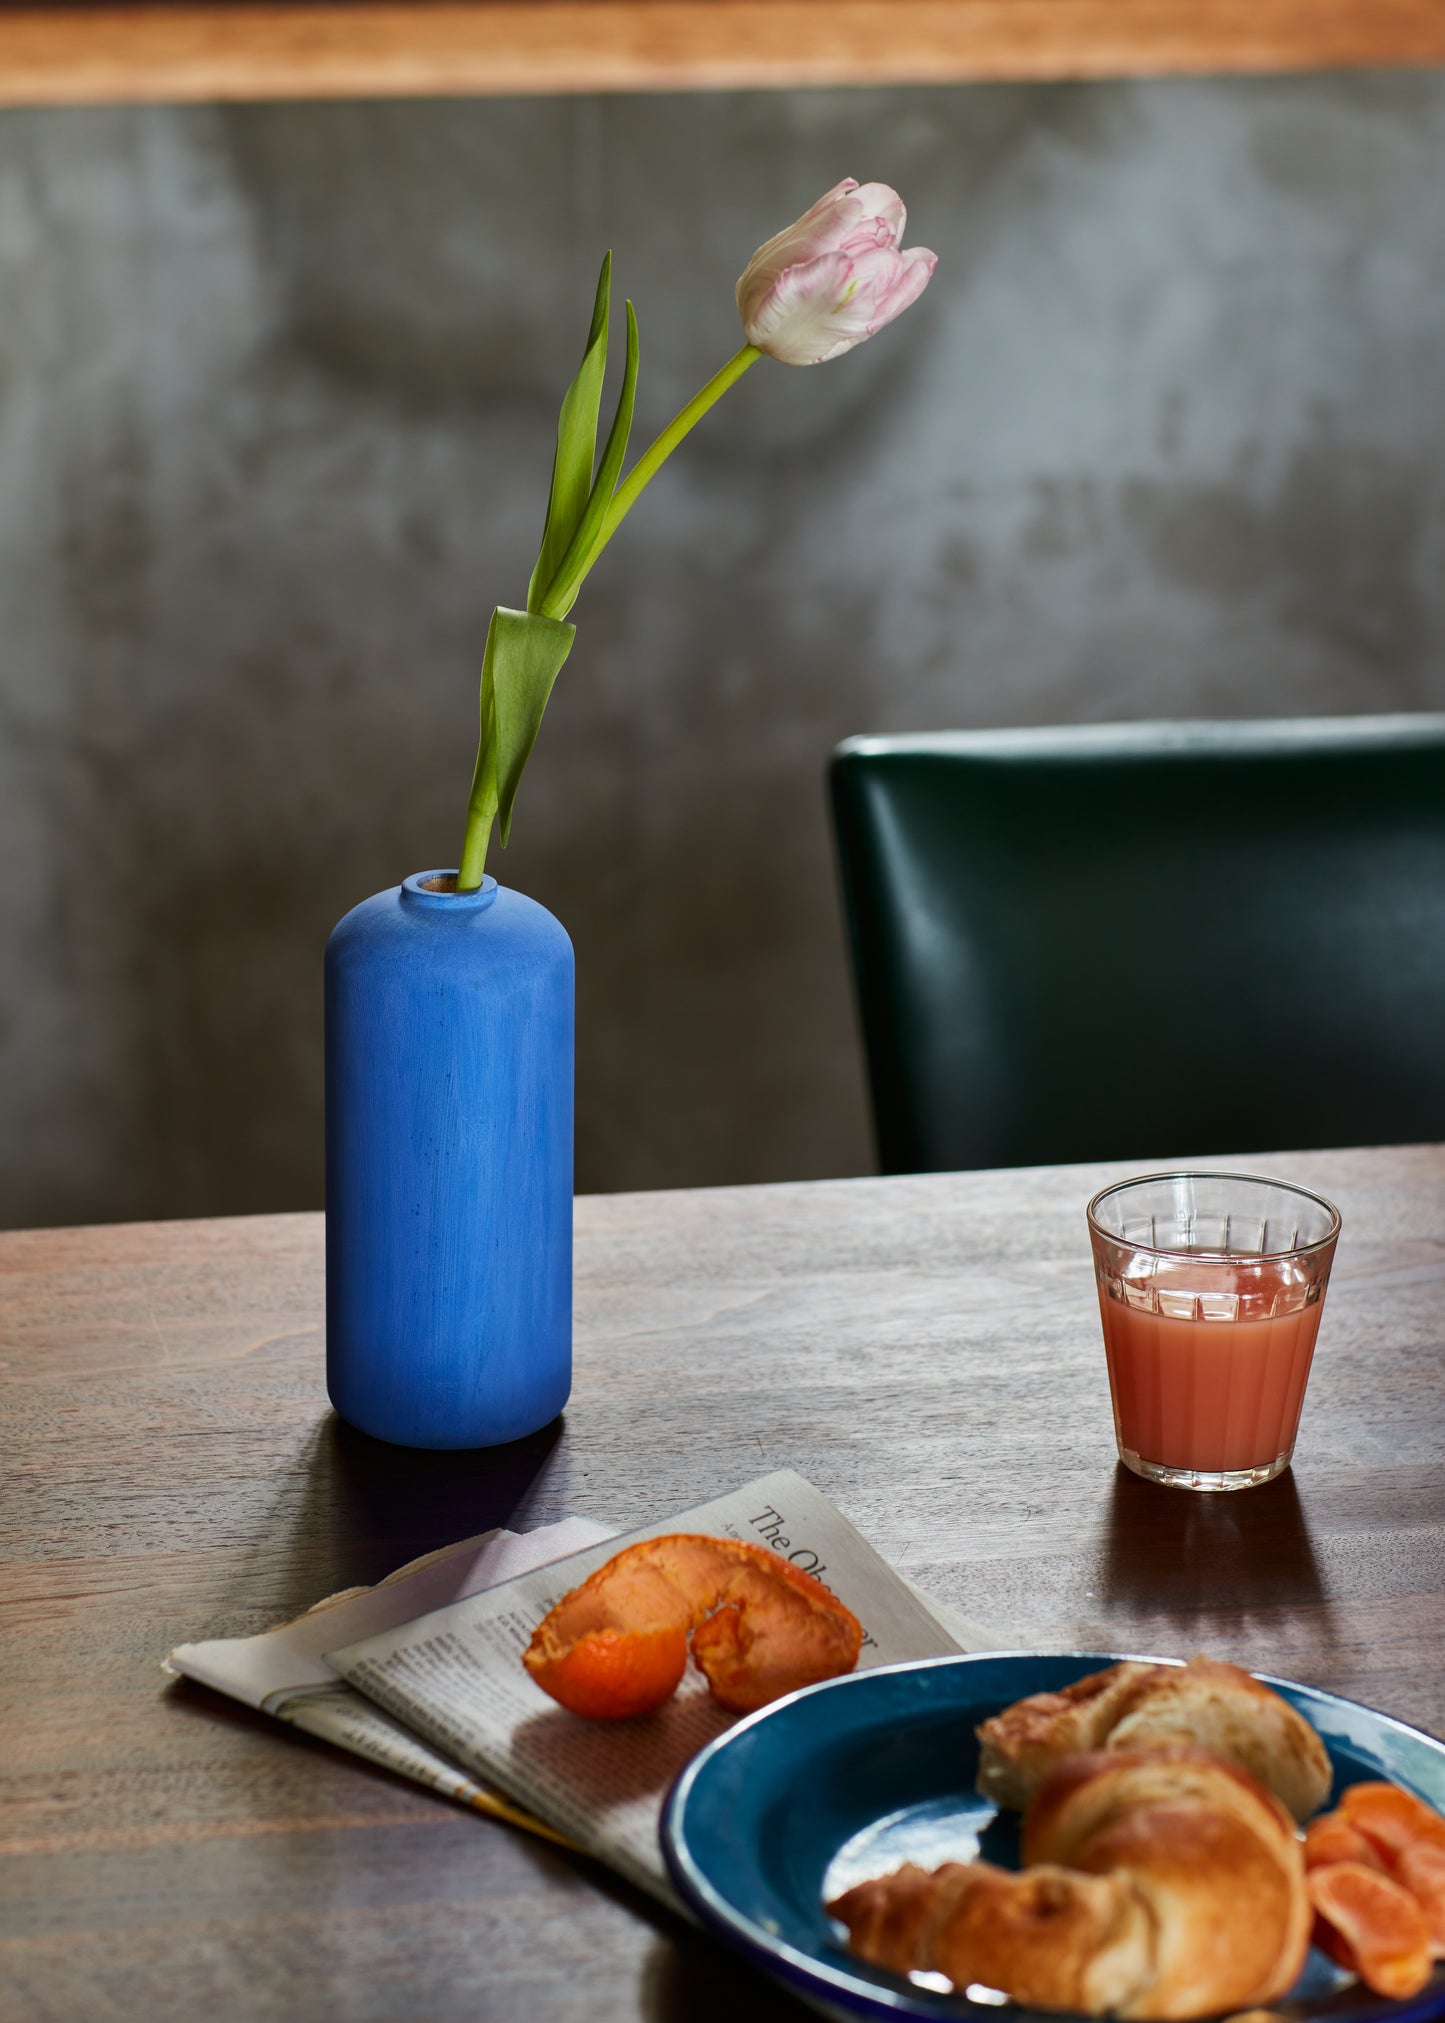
(561, 595)
(524, 656)
(576, 446)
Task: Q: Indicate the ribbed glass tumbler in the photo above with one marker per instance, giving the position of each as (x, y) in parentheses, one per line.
(1210, 1289)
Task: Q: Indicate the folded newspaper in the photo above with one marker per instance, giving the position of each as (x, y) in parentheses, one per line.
(424, 1674)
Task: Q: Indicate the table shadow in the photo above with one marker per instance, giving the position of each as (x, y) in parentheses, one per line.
(366, 1507)
(1203, 1560)
(696, 1979)
(689, 1974)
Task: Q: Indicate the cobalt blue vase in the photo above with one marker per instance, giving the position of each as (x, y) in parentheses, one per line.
(449, 1034)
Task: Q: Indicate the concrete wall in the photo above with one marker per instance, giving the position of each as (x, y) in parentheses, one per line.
(277, 390)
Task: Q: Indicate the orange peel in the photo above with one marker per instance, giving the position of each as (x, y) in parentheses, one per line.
(617, 1645)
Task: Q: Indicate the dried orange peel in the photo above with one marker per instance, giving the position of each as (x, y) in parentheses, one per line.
(617, 1646)
(1376, 1877)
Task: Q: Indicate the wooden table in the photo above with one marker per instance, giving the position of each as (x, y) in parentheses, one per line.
(926, 1350)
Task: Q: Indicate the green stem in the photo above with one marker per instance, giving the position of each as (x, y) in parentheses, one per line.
(481, 813)
(559, 597)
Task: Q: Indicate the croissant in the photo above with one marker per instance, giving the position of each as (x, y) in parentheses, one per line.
(1203, 1704)
(1049, 1938)
(1163, 1884)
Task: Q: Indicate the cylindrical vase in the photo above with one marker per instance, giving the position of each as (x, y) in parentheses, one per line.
(449, 1048)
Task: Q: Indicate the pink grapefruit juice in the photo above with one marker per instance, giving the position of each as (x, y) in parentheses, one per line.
(1205, 1394)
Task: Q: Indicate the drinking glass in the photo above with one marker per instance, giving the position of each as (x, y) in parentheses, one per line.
(1210, 1289)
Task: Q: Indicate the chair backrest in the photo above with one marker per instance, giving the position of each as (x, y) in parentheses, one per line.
(1142, 940)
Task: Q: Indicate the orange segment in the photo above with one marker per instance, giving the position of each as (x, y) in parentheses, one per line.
(1393, 1819)
(1331, 1838)
(1383, 1929)
(1421, 1871)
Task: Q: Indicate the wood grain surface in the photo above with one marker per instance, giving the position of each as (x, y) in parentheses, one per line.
(927, 1350)
(352, 48)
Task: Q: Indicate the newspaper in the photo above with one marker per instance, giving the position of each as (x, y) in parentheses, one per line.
(423, 1673)
(284, 1672)
(455, 1676)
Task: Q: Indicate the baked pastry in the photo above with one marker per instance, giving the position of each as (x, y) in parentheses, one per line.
(1203, 1704)
(1214, 1856)
(1163, 1884)
(1049, 1938)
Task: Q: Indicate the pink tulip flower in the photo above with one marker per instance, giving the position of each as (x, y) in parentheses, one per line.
(834, 277)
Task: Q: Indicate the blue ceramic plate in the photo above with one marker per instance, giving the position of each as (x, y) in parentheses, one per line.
(852, 1778)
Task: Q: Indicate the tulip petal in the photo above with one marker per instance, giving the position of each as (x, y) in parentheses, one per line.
(915, 272)
(793, 321)
(881, 202)
(817, 231)
(877, 271)
(868, 235)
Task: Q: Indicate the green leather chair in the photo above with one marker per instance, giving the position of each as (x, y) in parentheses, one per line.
(1142, 941)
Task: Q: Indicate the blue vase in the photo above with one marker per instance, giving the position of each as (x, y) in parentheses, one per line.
(449, 1026)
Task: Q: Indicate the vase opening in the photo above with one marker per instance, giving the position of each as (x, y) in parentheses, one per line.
(439, 889)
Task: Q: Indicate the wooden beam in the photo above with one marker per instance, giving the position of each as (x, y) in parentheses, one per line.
(88, 54)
